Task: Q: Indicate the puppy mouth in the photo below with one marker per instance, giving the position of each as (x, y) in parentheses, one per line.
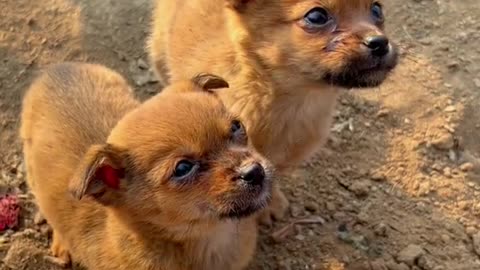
(364, 73)
(240, 213)
(247, 203)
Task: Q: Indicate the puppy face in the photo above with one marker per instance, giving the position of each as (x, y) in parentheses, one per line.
(340, 42)
(179, 158)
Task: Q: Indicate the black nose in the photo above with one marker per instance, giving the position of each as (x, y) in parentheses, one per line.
(253, 175)
(377, 44)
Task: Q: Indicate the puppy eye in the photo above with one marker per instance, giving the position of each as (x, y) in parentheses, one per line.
(317, 17)
(237, 130)
(184, 169)
(377, 12)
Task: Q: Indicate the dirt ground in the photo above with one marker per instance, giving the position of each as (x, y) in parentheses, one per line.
(398, 184)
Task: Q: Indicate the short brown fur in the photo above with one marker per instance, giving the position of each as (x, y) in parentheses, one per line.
(79, 118)
(285, 79)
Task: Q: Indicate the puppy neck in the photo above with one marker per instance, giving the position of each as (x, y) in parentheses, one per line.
(122, 223)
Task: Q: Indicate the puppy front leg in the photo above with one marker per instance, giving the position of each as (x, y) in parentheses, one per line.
(61, 255)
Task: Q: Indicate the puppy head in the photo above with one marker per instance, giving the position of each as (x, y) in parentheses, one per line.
(179, 158)
(340, 42)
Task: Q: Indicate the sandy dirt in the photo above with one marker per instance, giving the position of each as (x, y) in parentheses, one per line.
(398, 184)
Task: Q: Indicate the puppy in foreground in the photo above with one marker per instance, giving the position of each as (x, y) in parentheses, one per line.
(286, 61)
(168, 184)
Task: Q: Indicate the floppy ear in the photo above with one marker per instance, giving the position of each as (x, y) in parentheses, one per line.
(209, 82)
(203, 81)
(238, 4)
(99, 175)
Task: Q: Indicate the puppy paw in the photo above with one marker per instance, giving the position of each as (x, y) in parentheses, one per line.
(276, 210)
(61, 255)
(57, 261)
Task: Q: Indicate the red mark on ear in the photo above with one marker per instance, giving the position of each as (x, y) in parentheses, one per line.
(110, 176)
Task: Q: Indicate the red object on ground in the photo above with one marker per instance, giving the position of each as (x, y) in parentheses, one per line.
(9, 211)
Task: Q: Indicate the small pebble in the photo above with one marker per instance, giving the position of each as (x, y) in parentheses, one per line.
(4, 239)
(450, 109)
(425, 41)
(392, 265)
(447, 172)
(363, 217)
(476, 243)
(476, 81)
(360, 188)
(445, 238)
(470, 230)
(38, 219)
(31, 21)
(383, 113)
(284, 265)
(339, 216)
(444, 142)
(378, 264)
(295, 211)
(300, 237)
(464, 205)
(410, 254)
(311, 207)
(45, 229)
(378, 177)
(466, 167)
(330, 206)
(453, 65)
(437, 167)
(381, 229)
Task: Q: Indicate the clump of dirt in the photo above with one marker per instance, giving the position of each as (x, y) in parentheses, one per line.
(396, 186)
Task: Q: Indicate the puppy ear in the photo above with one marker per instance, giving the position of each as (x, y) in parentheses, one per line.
(99, 175)
(209, 82)
(238, 4)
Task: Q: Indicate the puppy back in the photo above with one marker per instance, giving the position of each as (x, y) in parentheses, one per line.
(69, 107)
(87, 99)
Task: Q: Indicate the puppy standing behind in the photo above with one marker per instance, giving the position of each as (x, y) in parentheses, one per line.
(285, 59)
(168, 184)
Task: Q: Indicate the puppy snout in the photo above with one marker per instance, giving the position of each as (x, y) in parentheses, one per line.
(253, 174)
(378, 45)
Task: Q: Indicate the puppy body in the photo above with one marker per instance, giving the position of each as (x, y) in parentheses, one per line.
(80, 118)
(285, 72)
(287, 116)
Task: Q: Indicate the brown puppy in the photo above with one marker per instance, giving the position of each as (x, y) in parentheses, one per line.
(286, 60)
(168, 184)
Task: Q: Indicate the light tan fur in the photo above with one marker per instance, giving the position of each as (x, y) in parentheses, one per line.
(79, 119)
(279, 69)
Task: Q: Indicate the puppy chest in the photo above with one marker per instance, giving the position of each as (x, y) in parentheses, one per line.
(294, 131)
(225, 248)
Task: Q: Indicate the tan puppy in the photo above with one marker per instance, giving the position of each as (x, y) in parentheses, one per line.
(171, 186)
(285, 59)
